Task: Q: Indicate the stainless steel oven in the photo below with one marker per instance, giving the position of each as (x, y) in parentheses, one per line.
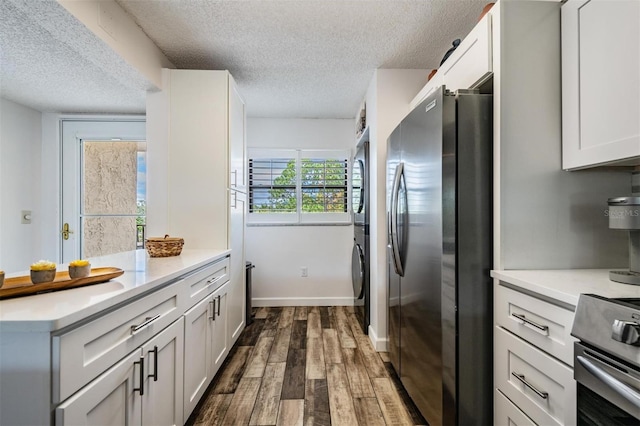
(607, 360)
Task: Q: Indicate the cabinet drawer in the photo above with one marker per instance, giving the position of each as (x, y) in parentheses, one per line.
(507, 414)
(472, 61)
(542, 387)
(541, 323)
(83, 353)
(203, 282)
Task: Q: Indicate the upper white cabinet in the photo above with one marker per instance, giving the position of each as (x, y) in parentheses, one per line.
(468, 66)
(206, 176)
(600, 83)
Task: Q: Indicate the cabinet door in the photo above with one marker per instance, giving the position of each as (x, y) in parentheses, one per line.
(237, 288)
(162, 400)
(197, 352)
(600, 82)
(219, 335)
(111, 399)
(237, 143)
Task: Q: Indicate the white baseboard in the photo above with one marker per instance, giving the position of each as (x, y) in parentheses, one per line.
(379, 344)
(301, 301)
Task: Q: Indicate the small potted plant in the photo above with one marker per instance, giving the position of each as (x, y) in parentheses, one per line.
(43, 271)
(79, 268)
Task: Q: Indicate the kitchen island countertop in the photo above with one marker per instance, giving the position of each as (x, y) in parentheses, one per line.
(55, 310)
(566, 285)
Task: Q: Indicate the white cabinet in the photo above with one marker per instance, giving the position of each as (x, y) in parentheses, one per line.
(533, 358)
(600, 83)
(205, 346)
(237, 288)
(139, 390)
(468, 66)
(206, 173)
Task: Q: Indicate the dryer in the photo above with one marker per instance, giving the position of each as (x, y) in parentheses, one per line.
(360, 252)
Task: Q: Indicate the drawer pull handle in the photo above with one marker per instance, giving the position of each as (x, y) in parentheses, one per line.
(212, 303)
(155, 364)
(140, 376)
(147, 321)
(521, 317)
(214, 280)
(218, 305)
(541, 394)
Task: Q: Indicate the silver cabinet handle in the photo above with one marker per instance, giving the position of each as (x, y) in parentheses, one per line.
(521, 317)
(214, 280)
(147, 321)
(218, 305)
(541, 394)
(624, 390)
(212, 303)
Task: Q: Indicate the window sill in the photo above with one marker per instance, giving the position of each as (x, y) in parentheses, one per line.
(259, 225)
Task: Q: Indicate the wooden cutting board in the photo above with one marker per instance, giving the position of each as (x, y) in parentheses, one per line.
(22, 286)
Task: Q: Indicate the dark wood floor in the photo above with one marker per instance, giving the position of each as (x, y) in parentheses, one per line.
(305, 366)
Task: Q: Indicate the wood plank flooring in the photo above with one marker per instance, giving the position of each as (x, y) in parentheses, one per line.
(305, 366)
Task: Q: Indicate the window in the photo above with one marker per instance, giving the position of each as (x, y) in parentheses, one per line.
(298, 186)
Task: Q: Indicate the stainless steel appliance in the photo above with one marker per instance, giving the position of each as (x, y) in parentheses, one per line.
(439, 180)
(624, 213)
(360, 253)
(607, 360)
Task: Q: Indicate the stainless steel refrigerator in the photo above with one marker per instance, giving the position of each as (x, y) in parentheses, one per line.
(439, 180)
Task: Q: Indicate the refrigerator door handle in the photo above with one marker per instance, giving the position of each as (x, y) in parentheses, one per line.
(395, 194)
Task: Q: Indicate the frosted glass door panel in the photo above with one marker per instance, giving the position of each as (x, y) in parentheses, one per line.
(113, 196)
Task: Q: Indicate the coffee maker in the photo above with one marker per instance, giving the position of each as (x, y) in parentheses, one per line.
(624, 213)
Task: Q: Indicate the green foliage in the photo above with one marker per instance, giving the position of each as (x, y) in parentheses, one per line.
(323, 188)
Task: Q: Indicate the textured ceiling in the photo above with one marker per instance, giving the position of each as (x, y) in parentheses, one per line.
(291, 58)
(51, 62)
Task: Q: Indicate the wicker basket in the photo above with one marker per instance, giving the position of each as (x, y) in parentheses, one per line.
(164, 247)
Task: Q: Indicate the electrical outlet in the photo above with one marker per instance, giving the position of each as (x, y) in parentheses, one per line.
(304, 271)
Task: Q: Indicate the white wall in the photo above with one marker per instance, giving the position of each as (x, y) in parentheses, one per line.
(387, 98)
(278, 252)
(20, 185)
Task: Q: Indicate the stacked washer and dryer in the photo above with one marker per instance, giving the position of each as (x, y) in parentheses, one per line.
(360, 253)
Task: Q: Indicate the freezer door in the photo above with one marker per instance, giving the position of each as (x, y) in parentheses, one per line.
(393, 159)
(420, 289)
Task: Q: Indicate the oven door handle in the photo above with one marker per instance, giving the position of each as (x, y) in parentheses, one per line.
(624, 390)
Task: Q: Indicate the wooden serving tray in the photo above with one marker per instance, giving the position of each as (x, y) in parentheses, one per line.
(22, 286)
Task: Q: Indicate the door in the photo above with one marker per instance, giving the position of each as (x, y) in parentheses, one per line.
(420, 254)
(197, 352)
(100, 165)
(393, 160)
(219, 334)
(600, 82)
(163, 398)
(237, 140)
(111, 399)
(237, 268)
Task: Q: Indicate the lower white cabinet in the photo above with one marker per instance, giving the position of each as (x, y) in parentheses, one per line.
(139, 390)
(533, 358)
(507, 414)
(205, 345)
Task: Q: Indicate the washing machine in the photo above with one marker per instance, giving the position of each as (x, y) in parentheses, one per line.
(360, 252)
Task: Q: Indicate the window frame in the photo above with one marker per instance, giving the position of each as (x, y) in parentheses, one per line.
(299, 217)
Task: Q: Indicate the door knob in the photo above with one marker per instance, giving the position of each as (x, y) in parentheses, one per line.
(65, 231)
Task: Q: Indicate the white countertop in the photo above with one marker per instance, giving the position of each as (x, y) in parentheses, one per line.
(55, 310)
(565, 285)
